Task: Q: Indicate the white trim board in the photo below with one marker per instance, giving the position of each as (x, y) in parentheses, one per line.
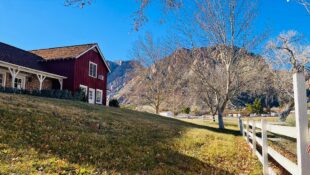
(30, 70)
(83, 86)
(99, 90)
(23, 78)
(100, 53)
(93, 95)
(92, 63)
(3, 72)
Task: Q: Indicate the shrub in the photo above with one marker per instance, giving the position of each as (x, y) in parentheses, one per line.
(186, 110)
(256, 107)
(80, 95)
(114, 103)
(196, 111)
(62, 94)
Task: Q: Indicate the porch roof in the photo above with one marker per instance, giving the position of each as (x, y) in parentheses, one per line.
(11, 56)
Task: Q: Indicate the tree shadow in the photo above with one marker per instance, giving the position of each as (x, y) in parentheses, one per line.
(193, 125)
(127, 142)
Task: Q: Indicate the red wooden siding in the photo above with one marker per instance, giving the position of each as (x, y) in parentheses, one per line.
(81, 72)
(64, 68)
(76, 71)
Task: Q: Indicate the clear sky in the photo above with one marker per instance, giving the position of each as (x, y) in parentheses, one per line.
(35, 24)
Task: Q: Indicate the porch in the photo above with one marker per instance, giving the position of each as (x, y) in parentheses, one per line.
(19, 77)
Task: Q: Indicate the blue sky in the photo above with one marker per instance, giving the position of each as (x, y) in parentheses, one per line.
(34, 24)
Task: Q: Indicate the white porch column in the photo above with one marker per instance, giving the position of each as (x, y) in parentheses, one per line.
(303, 158)
(61, 83)
(14, 73)
(41, 78)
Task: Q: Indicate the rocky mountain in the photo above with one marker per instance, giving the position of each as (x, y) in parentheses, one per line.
(128, 87)
(121, 73)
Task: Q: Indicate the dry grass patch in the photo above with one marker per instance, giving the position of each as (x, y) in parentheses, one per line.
(49, 136)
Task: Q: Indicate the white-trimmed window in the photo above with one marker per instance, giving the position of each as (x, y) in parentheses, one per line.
(84, 89)
(98, 96)
(92, 69)
(91, 95)
(19, 83)
(2, 80)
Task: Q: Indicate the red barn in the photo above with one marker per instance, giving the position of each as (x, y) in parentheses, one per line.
(84, 66)
(70, 68)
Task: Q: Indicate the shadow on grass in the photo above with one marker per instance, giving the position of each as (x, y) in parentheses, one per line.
(193, 125)
(127, 142)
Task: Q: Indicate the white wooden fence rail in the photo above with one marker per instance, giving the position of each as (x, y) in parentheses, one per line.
(250, 134)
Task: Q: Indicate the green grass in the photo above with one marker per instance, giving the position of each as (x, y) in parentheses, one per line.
(49, 136)
(284, 145)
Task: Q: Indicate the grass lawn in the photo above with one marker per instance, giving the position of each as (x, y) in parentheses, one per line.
(49, 136)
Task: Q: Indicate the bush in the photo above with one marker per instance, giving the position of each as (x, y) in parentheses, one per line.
(256, 108)
(80, 95)
(196, 111)
(186, 110)
(114, 103)
(62, 94)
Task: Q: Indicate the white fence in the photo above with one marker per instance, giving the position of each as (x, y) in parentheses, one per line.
(291, 132)
(300, 133)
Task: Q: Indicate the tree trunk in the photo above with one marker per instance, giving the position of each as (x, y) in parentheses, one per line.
(157, 109)
(286, 112)
(220, 119)
(213, 117)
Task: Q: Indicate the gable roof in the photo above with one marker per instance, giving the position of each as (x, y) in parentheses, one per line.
(14, 55)
(68, 52)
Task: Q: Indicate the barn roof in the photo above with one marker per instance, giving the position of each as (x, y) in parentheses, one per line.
(66, 52)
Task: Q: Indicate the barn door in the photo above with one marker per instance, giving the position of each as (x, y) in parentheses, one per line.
(91, 95)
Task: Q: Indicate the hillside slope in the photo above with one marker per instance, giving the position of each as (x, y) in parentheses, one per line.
(49, 136)
(179, 89)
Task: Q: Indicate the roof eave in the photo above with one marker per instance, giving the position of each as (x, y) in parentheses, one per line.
(103, 58)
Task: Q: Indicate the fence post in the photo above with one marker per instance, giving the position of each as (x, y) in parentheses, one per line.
(264, 147)
(254, 137)
(303, 159)
(241, 126)
(247, 131)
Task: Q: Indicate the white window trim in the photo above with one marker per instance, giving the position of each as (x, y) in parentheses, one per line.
(89, 73)
(94, 92)
(23, 78)
(100, 102)
(4, 77)
(85, 87)
(101, 76)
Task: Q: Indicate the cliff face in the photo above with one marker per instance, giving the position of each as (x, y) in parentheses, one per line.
(128, 85)
(121, 73)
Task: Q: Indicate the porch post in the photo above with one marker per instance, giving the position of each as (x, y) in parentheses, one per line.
(41, 78)
(14, 73)
(61, 83)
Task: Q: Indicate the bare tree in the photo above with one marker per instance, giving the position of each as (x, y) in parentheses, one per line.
(228, 27)
(207, 97)
(287, 54)
(139, 16)
(304, 3)
(80, 3)
(175, 82)
(153, 76)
